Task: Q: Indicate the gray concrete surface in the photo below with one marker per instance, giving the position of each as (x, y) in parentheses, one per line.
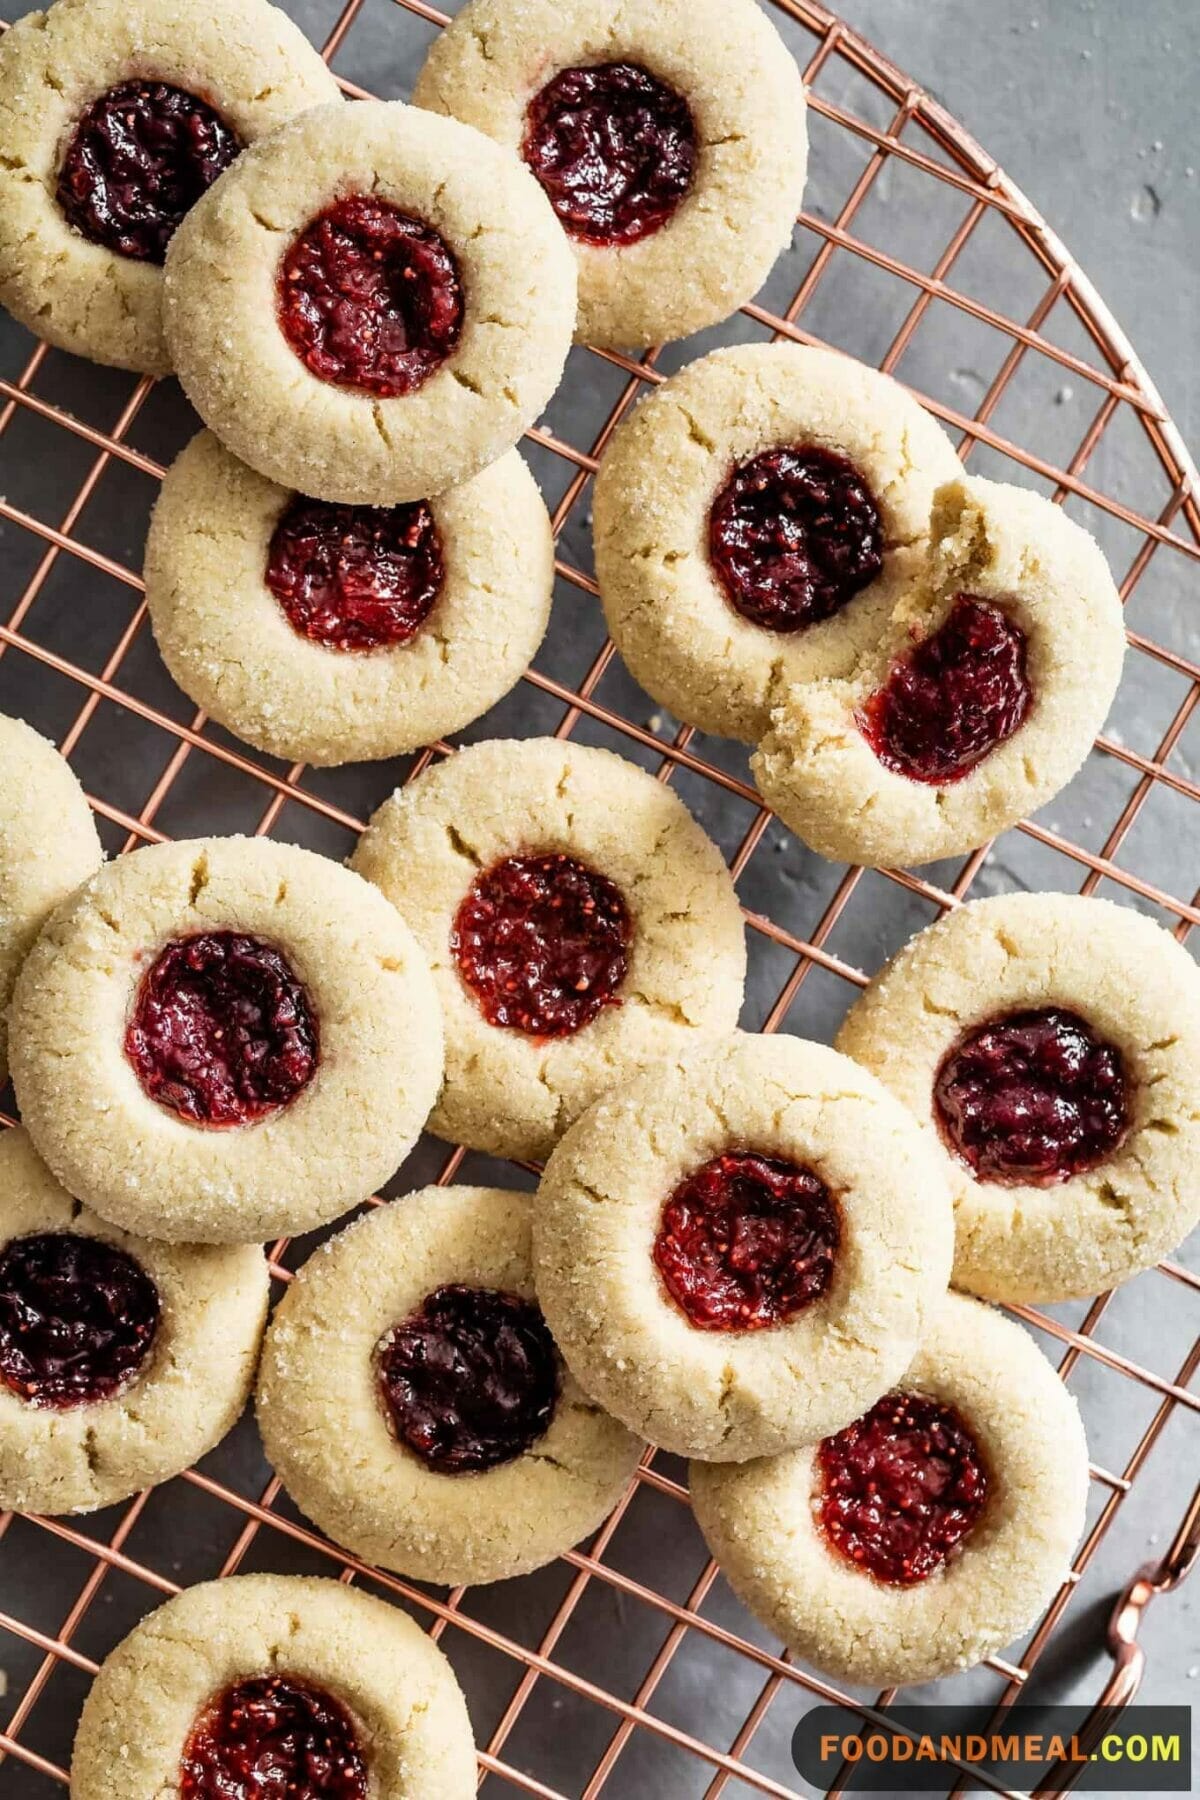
(1089, 105)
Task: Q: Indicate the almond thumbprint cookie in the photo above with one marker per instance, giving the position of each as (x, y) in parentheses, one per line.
(326, 633)
(225, 1040)
(264, 1686)
(413, 1402)
(116, 116)
(1051, 1044)
(48, 845)
(980, 703)
(578, 922)
(928, 1533)
(671, 142)
(739, 1250)
(122, 1359)
(372, 304)
(758, 518)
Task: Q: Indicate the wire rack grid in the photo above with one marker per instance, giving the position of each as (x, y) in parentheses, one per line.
(628, 1668)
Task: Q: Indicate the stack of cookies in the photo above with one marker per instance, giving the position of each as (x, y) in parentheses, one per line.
(741, 1247)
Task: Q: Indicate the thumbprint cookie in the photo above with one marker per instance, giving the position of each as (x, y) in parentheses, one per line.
(578, 922)
(413, 1402)
(739, 1250)
(224, 1040)
(929, 1532)
(1051, 1045)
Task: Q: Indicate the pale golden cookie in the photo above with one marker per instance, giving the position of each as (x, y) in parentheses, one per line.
(226, 279)
(603, 1242)
(173, 1393)
(675, 976)
(228, 641)
(329, 1435)
(1136, 991)
(670, 616)
(734, 96)
(390, 1684)
(1023, 557)
(326, 1093)
(48, 845)
(761, 1520)
(243, 58)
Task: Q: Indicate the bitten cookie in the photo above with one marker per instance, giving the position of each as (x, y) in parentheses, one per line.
(1052, 1045)
(830, 1549)
(115, 116)
(372, 305)
(578, 922)
(756, 521)
(981, 703)
(224, 1040)
(122, 1360)
(739, 1250)
(413, 1403)
(48, 845)
(328, 634)
(275, 1672)
(671, 141)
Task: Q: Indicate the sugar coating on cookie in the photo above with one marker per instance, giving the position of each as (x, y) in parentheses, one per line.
(979, 703)
(1051, 1045)
(225, 1040)
(326, 633)
(48, 845)
(296, 1671)
(116, 115)
(739, 1250)
(827, 1548)
(757, 520)
(413, 1403)
(372, 306)
(671, 141)
(578, 922)
(122, 1359)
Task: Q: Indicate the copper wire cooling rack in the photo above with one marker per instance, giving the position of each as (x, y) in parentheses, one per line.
(627, 1668)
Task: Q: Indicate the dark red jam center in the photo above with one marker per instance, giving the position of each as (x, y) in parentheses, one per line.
(901, 1488)
(747, 1241)
(77, 1318)
(953, 698)
(793, 535)
(470, 1380)
(273, 1738)
(139, 158)
(1032, 1098)
(543, 943)
(222, 1031)
(613, 147)
(355, 577)
(370, 297)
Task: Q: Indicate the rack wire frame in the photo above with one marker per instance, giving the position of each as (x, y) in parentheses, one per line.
(923, 136)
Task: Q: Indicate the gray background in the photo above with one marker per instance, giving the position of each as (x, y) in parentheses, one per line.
(1089, 105)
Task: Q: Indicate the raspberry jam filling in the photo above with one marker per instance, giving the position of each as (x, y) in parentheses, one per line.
(613, 147)
(370, 297)
(901, 1488)
(138, 160)
(222, 1031)
(77, 1319)
(747, 1241)
(793, 535)
(953, 698)
(273, 1738)
(470, 1380)
(543, 943)
(355, 577)
(1033, 1098)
